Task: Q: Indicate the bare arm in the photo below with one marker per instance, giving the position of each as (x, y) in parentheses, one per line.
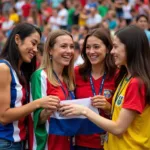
(7, 114)
(117, 127)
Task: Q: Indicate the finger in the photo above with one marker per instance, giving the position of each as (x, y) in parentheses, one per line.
(64, 107)
(50, 107)
(65, 112)
(54, 100)
(98, 96)
(69, 114)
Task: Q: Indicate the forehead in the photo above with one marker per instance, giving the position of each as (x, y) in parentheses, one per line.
(142, 19)
(116, 40)
(94, 40)
(64, 39)
(34, 36)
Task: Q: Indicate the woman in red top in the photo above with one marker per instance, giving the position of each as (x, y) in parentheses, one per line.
(95, 78)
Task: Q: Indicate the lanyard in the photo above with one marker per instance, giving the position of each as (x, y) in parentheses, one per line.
(72, 96)
(120, 89)
(67, 96)
(101, 85)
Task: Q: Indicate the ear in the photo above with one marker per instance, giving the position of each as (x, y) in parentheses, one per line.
(50, 52)
(17, 39)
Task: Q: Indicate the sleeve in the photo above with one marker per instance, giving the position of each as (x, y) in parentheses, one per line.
(38, 90)
(135, 96)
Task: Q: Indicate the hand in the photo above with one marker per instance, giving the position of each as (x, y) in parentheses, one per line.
(99, 101)
(47, 112)
(49, 102)
(72, 110)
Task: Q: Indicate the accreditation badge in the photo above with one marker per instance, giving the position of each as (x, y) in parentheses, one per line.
(102, 138)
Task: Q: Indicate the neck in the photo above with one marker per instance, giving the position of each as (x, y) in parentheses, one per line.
(19, 64)
(58, 70)
(128, 73)
(98, 70)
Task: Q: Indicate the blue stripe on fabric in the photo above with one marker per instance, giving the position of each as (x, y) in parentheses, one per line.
(71, 127)
(6, 132)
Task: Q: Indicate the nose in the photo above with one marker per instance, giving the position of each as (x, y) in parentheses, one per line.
(70, 50)
(90, 50)
(35, 49)
(112, 51)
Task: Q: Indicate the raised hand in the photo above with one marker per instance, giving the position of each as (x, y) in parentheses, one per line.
(99, 101)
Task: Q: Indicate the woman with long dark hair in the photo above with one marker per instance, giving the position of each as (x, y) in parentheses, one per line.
(17, 62)
(96, 78)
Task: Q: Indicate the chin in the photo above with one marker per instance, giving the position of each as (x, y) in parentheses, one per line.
(27, 60)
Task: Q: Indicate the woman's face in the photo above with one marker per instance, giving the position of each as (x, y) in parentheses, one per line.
(119, 52)
(28, 47)
(95, 50)
(63, 51)
(142, 23)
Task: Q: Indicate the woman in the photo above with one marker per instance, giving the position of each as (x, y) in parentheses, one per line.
(55, 77)
(17, 62)
(96, 77)
(129, 127)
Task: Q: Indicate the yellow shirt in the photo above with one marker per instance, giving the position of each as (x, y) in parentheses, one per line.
(137, 135)
(14, 17)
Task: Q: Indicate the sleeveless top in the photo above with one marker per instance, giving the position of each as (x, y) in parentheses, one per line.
(15, 131)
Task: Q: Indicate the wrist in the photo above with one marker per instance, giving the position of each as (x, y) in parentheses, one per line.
(84, 111)
(37, 103)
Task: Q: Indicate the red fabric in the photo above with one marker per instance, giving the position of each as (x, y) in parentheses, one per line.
(2, 19)
(26, 10)
(135, 99)
(83, 2)
(83, 90)
(56, 142)
(21, 123)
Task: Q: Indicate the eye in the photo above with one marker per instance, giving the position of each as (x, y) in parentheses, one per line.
(63, 46)
(96, 46)
(87, 47)
(72, 46)
(33, 43)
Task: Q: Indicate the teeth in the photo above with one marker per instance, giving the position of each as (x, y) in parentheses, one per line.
(93, 57)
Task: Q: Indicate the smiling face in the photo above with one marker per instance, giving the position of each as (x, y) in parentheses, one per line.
(95, 50)
(63, 51)
(28, 47)
(119, 52)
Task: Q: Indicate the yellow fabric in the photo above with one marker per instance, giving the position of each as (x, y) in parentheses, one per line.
(14, 17)
(137, 136)
(82, 21)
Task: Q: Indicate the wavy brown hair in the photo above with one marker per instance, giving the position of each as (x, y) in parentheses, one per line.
(86, 67)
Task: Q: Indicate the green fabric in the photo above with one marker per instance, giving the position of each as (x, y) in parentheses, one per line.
(102, 10)
(70, 16)
(38, 3)
(41, 134)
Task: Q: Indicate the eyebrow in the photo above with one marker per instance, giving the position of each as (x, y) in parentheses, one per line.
(35, 41)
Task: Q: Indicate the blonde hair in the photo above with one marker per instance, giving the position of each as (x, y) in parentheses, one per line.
(46, 64)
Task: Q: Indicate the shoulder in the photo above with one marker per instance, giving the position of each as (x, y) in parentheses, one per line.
(39, 73)
(4, 69)
(5, 75)
(136, 81)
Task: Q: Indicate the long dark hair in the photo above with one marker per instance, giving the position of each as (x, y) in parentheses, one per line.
(138, 55)
(11, 53)
(86, 67)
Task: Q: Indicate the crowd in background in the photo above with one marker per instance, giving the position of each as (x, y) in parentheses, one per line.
(77, 16)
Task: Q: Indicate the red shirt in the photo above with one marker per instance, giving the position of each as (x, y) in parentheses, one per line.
(137, 100)
(26, 10)
(83, 90)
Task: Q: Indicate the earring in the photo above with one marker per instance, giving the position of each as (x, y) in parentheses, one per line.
(50, 57)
